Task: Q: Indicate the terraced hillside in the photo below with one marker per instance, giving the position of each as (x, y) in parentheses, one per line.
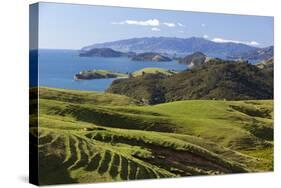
(94, 137)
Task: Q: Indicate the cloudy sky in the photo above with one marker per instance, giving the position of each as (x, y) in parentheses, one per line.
(67, 26)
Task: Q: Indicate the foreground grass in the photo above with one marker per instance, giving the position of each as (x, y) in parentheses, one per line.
(91, 137)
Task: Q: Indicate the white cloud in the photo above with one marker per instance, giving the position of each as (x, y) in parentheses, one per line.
(150, 22)
(181, 31)
(205, 36)
(254, 43)
(203, 25)
(169, 24)
(181, 25)
(221, 40)
(155, 29)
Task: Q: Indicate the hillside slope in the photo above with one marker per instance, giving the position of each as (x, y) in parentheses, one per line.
(153, 70)
(216, 79)
(88, 137)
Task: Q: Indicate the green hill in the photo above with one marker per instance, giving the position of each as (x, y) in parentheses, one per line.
(94, 137)
(153, 70)
(83, 97)
(216, 79)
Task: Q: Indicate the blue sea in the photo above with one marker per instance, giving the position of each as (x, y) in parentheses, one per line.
(58, 67)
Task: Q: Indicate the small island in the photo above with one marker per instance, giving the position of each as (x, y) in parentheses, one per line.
(194, 59)
(151, 56)
(98, 74)
(104, 52)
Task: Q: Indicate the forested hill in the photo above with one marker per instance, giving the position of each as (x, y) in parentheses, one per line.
(216, 80)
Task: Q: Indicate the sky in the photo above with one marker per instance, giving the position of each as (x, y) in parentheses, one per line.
(70, 26)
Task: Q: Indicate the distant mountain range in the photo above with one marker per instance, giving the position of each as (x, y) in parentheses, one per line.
(181, 46)
(256, 54)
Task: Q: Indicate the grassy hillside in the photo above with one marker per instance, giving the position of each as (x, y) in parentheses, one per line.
(84, 97)
(93, 137)
(216, 79)
(153, 70)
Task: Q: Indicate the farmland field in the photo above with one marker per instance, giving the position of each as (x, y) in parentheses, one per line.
(87, 136)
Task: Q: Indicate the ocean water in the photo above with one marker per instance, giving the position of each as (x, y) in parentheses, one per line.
(58, 67)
